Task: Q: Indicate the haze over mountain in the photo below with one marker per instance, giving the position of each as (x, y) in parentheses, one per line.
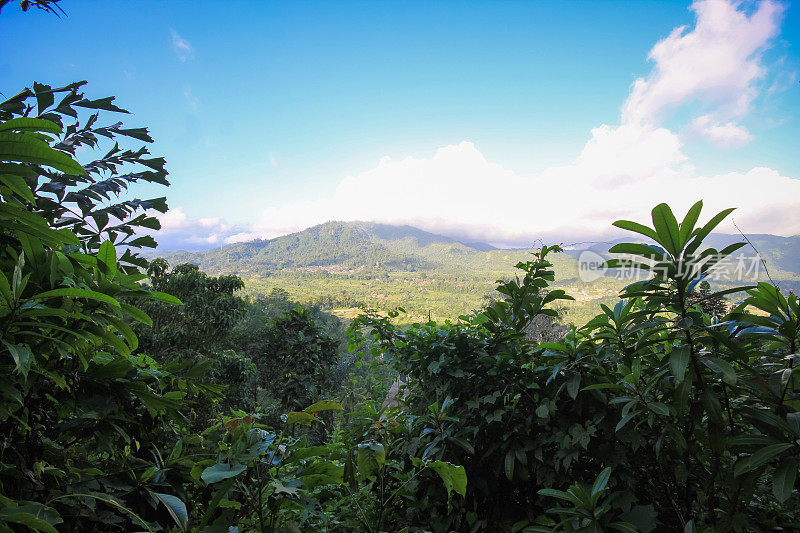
(347, 244)
(356, 245)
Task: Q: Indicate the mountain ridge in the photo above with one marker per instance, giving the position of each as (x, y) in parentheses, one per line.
(345, 246)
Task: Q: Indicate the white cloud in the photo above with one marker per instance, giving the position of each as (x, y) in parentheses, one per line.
(622, 171)
(728, 135)
(178, 231)
(718, 62)
(182, 48)
(458, 192)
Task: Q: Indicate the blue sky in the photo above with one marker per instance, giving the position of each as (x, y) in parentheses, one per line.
(276, 116)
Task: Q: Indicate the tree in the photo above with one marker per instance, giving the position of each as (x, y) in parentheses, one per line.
(210, 310)
(80, 417)
(711, 304)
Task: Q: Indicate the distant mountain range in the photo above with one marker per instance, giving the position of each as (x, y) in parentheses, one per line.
(358, 245)
(343, 265)
(349, 245)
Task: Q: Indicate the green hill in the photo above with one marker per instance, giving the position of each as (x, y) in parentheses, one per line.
(349, 245)
(341, 265)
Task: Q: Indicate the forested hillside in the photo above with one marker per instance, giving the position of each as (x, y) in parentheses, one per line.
(161, 396)
(342, 266)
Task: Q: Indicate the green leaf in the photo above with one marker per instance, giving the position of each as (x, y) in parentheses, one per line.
(636, 227)
(667, 229)
(163, 297)
(658, 408)
(176, 508)
(220, 471)
(678, 361)
(573, 385)
(108, 255)
(324, 405)
(601, 481)
(25, 148)
(29, 124)
(560, 494)
(689, 221)
(10, 514)
(76, 293)
(721, 366)
(645, 250)
(702, 233)
(783, 480)
(625, 419)
(370, 458)
(299, 417)
(598, 386)
(137, 314)
(18, 186)
(22, 355)
(509, 464)
(760, 457)
(454, 477)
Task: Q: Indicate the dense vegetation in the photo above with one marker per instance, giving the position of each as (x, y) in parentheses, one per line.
(139, 397)
(342, 266)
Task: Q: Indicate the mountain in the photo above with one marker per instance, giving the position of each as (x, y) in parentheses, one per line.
(335, 245)
(342, 265)
(350, 246)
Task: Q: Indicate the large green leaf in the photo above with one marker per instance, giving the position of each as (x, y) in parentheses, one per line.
(762, 456)
(721, 366)
(370, 458)
(26, 148)
(220, 471)
(76, 293)
(667, 229)
(176, 508)
(702, 233)
(18, 186)
(22, 356)
(108, 255)
(16, 516)
(324, 405)
(601, 481)
(454, 477)
(783, 479)
(636, 227)
(678, 361)
(137, 313)
(29, 124)
(689, 221)
(299, 417)
(166, 298)
(509, 463)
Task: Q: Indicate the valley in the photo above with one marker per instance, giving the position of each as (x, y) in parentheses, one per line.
(343, 266)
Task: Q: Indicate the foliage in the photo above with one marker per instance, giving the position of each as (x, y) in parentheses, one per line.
(210, 310)
(667, 411)
(711, 304)
(694, 414)
(83, 420)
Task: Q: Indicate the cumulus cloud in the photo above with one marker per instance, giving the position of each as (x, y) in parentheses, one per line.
(728, 135)
(621, 171)
(182, 48)
(719, 62)
(178, 231)
(459, 193)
